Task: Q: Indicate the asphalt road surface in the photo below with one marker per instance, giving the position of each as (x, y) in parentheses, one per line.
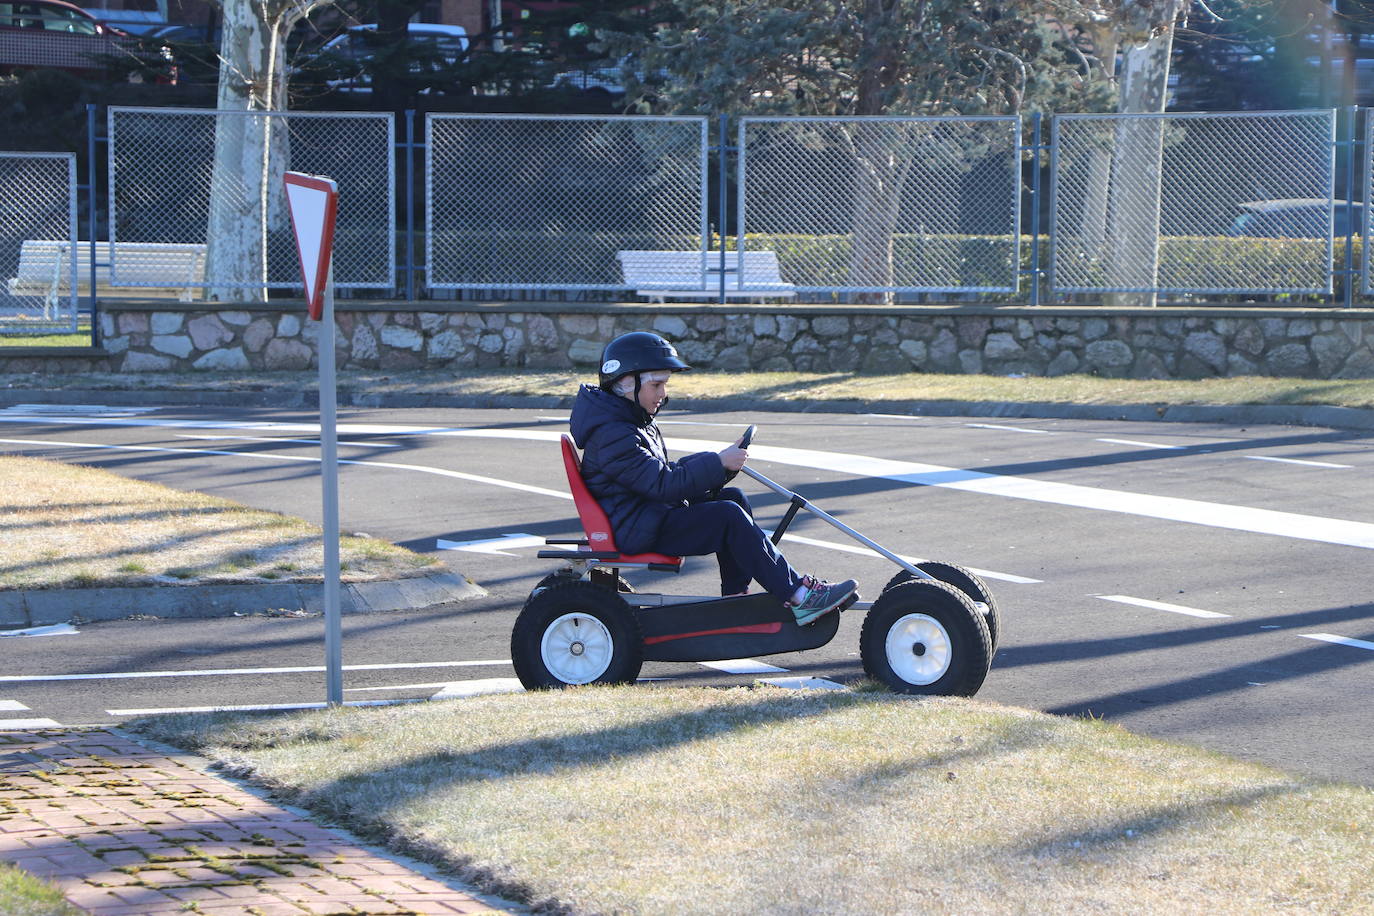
(1205, 583)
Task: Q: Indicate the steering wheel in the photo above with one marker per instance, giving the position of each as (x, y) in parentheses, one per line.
(743, 443)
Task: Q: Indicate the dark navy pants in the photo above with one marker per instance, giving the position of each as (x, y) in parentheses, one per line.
(725, 527)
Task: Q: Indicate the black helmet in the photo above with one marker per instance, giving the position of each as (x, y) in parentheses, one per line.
(637, 351)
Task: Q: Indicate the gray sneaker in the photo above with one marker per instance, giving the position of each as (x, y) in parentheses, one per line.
(823, 597)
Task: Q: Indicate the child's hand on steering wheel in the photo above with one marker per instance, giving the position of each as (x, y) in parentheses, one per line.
(734, 457)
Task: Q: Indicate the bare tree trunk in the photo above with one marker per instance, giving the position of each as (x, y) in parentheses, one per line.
(250, 150)
(877, 194)
(1138, 153)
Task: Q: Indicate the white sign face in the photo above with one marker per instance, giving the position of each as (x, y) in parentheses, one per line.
(312, 201)
(307, 212)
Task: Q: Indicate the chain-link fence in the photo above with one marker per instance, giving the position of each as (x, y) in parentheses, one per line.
(38, 243)
(884, 204)
(532, 202)
(188, 182)
(1193, 203)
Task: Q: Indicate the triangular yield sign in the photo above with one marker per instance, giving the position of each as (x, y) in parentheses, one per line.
(314, 202)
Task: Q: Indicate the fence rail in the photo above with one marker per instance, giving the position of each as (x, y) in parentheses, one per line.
(1242, 204)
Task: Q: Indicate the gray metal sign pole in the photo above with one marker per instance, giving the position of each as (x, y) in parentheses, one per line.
(329, 480)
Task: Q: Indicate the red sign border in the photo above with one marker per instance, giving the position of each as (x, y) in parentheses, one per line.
(314, 298)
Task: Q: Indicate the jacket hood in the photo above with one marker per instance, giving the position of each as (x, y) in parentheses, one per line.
(595, 407)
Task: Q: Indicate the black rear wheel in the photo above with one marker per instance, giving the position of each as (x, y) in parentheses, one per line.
(926, 637)
(967, 582)
(576, 633)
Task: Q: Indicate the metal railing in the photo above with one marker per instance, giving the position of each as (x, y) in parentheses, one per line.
(1188, 205)
(1193, 203)
(532, 202)
(884, 204)
(38, 243)
(180, 176)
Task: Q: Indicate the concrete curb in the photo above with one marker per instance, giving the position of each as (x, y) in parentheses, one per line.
(1268, 414)
(39, 607)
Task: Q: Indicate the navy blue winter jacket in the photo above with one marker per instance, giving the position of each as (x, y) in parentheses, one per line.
(626, 467)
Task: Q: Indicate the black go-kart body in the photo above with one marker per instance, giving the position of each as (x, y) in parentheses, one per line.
(933, 630)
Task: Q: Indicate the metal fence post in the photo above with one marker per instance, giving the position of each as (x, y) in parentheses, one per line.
(1035, 210)
(724, 199)
(91, 190)
(410, 204)
(1352, 116)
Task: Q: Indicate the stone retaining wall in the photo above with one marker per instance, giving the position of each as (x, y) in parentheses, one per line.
(1137, 343)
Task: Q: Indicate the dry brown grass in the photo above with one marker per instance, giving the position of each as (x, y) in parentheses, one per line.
(819, 387)
(65, 526)
(668, 801)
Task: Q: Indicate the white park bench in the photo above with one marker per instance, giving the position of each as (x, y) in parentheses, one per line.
(664, 275)
(146, 270)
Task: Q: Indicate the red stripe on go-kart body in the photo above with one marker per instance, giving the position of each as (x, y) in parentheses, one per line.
(773, 627)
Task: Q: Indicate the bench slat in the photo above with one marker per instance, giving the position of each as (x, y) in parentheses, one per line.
(696, 274)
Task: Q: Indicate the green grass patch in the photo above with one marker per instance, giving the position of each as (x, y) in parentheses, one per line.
(81, 337)
(653, 800)
(22, 894)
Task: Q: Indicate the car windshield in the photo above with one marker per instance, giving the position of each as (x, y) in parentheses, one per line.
(50, 18)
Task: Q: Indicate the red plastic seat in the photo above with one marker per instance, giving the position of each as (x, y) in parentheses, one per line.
(594, 521)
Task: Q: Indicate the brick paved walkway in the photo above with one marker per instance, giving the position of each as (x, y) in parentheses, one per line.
(126, 829)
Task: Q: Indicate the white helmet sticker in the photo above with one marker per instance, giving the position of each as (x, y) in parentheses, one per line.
(610, 366)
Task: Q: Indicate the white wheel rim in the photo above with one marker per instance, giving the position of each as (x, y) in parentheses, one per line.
(918, 649)
(577, 648)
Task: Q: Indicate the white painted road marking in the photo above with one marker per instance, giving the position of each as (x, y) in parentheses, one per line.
(280, 439)
(801, 683)
(478, 688)
(1312, 464)
(1161, 606)
(442, 472)
(915, 561)
(52, 629)
(216, 672)
(1339, 640)
(1140, 444)
(743, 666)
(497, 546)
(12, 706)
(1168, 508)
(265, 707)
(16, 724)
(1010, 429)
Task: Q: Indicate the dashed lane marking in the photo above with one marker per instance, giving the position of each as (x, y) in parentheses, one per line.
(1340, 640)
(1311, 464)
(1140, 444)
(1162, 606)
(217, 672)
(12, 706)
(1011, 429)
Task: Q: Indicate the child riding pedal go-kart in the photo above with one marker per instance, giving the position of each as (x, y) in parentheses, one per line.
(933, 629)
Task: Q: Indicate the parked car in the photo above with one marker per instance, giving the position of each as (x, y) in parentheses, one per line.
(1301, 218)
(345, 59)
(54, 33)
